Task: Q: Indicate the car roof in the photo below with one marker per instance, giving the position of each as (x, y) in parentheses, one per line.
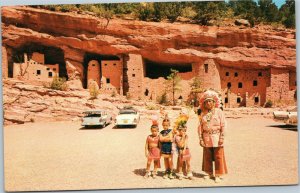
(94, 111)
(128, 110)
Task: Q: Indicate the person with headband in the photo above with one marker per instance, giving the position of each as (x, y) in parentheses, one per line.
(211, 136)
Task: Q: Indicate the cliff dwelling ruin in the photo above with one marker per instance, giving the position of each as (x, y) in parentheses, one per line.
(133, 58)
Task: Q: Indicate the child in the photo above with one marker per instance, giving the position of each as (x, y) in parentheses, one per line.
(152, 151)
(184, 156)
(166, 139)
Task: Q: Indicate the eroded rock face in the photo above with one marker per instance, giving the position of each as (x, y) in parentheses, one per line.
(159, 42)
(24, 103)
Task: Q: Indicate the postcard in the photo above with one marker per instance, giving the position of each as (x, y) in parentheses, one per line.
(139, 95)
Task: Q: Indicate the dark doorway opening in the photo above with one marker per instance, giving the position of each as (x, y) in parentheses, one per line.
(156, 70)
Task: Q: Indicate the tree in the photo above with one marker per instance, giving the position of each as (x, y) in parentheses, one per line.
(173, 83)
(210, 10)
(287, 12)
(196, 88)
(169, 10)
(246, 9)
(269, 11)
(145, 11)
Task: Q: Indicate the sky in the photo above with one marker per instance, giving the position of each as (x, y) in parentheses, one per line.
(279, 3)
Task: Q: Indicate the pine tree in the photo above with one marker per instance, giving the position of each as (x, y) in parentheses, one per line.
(173, 83)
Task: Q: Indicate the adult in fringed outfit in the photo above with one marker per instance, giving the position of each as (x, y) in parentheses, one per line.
(211, 135)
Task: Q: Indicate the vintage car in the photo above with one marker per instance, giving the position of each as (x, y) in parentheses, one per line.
(288, 117)
(96, 118)
(127, 117)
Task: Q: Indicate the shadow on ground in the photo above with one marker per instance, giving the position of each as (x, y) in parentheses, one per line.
(142, 172)
(91, 128)
(285, 127)
(124, 127)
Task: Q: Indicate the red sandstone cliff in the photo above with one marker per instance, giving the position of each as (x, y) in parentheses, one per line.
(75, 36)
(159, 42)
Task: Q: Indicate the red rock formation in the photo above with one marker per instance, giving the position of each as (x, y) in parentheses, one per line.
(240, 49)
(162, 42)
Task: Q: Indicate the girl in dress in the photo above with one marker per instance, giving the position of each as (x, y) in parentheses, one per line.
(152, 151)
(184, 156)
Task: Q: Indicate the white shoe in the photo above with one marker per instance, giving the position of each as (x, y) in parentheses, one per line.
(147, 175)
(217, 179)
(190, 175)
(206, 177)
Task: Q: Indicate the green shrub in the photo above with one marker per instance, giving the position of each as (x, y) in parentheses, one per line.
(94, 91)
(113, 94)
(268, 104)
(145, 12)
(152, 107)
(163, 99)
(59, 83)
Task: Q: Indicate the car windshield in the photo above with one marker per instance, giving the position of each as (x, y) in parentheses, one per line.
(93, 115)
(127, 112)
(293, 109)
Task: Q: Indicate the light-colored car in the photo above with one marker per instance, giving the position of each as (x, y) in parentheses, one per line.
(96, 118)
(288, 117)
(127, 117)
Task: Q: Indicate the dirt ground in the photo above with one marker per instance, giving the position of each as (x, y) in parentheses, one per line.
(64, 156)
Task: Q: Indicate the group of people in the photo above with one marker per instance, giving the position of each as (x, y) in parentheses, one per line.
(166, 143)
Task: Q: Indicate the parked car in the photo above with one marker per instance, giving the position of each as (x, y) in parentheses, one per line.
(96, 118)
(288, 117)
(127, 117)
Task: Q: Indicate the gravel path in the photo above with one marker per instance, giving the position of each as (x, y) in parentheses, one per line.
(63, 156)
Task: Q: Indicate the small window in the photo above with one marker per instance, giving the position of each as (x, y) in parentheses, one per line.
(38, 72)
(146, 92)
(256, 99)
(115, 64)
(54, 69)
(49, 74)
(236, 74)
(105, 64)
(227, 73)
(295, 83)
(229, 85)
(260, 74)
(206, 68)
(254, 82)
(240, 85)
(93, 64)
(108, 80)
(133, 75)
(238, 100)
(48, 68)
(226, 100)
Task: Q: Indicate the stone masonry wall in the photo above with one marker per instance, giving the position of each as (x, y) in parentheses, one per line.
(94, 73)
(135, 74)
(209, 74)
(241, 83)
(279, 90)
(111, 75)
